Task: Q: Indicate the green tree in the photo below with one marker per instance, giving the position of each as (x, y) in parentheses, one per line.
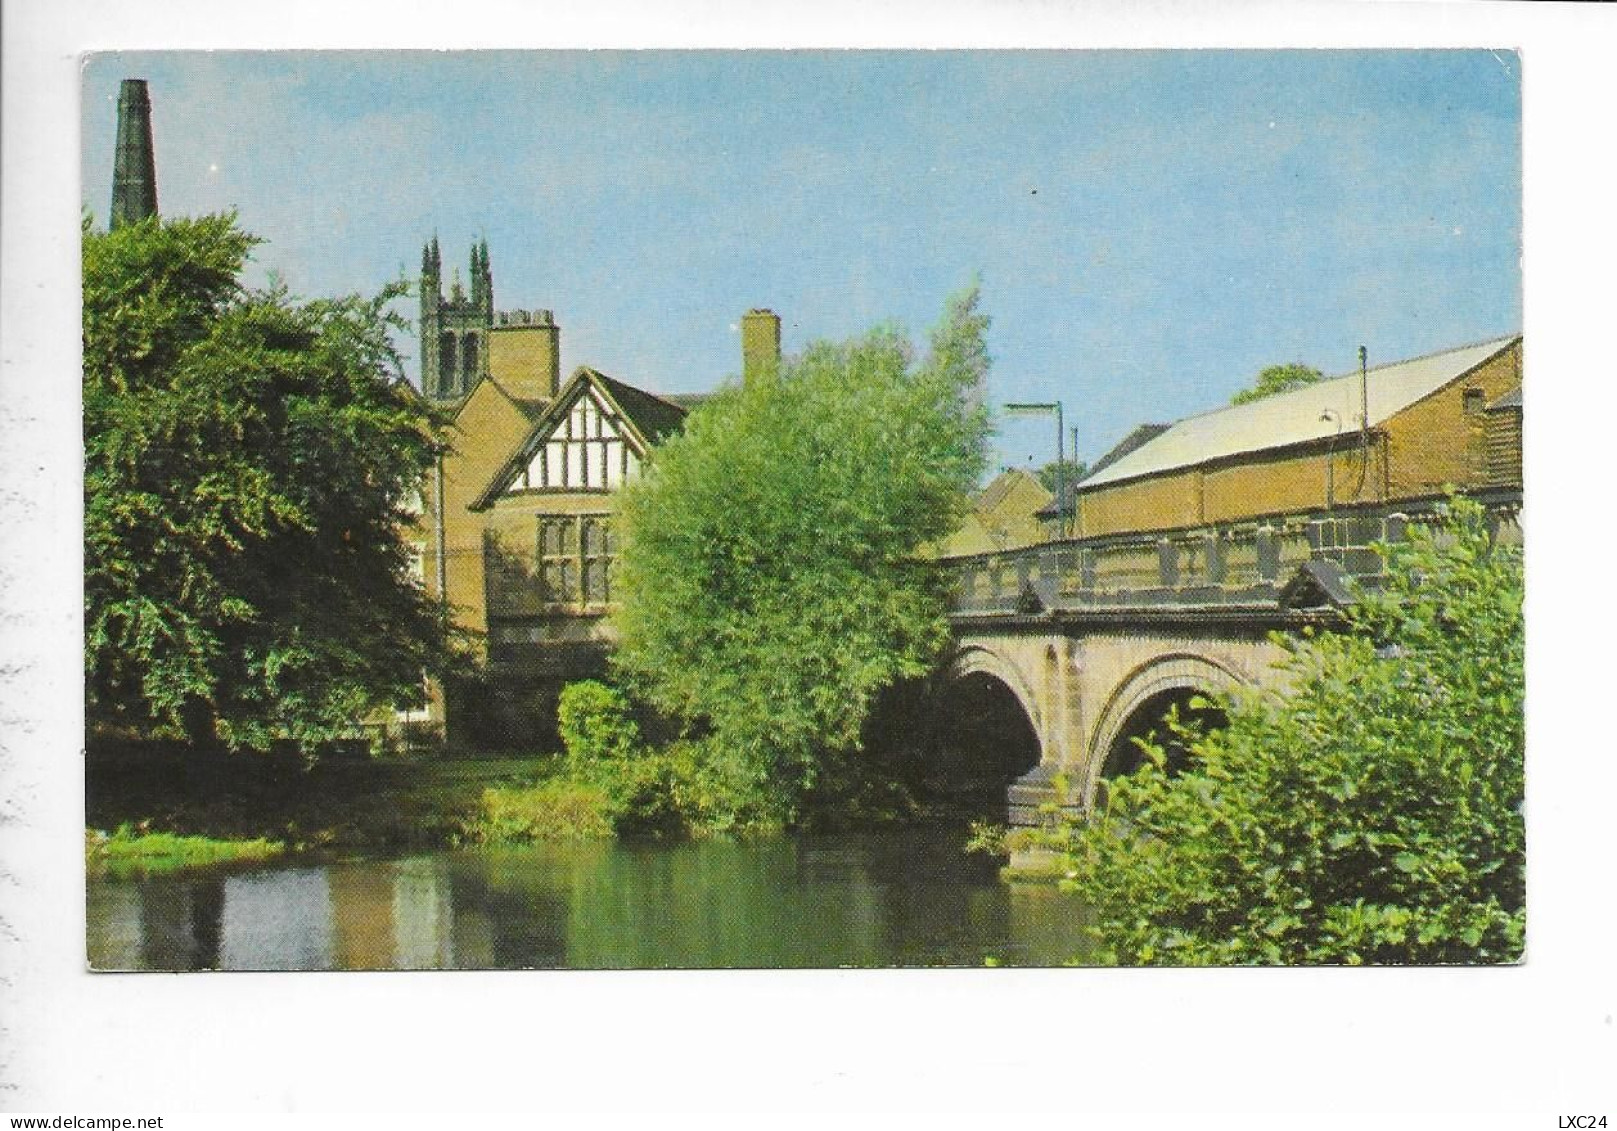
(1369, 812)
(250, 465)
(1071, 471)
(769, 585)
(1279, 379)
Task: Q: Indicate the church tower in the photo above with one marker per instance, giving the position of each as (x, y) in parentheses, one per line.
(134, 171)
(454, 328)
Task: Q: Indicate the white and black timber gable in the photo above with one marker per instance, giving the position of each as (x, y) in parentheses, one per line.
(592, 438)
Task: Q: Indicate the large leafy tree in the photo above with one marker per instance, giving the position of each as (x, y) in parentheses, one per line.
(1278, 379)
(1369, 811)
(250, 468)
(770, 585)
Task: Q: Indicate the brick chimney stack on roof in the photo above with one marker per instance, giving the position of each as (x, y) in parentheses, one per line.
(760, 343)
(525, 354)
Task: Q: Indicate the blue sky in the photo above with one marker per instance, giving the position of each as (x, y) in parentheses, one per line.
(1150, 228)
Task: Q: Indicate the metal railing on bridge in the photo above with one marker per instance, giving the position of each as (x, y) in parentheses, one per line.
(1242, 565)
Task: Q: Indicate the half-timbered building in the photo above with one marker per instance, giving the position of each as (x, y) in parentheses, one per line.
(517, 539)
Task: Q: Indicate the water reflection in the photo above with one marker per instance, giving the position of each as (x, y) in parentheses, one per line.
(904, 899)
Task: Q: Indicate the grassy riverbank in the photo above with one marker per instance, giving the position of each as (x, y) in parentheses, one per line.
(170, 808)
(132, 849)
(231, 799)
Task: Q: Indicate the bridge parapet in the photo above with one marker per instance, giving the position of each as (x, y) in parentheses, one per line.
(1243, 565)
(1218, 565)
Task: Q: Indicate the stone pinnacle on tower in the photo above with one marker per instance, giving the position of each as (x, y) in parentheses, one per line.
(482, 278)
(134, 171)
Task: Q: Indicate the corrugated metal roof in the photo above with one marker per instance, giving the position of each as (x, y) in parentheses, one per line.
(1303, 415)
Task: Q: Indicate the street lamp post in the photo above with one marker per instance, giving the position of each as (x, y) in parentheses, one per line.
(1025, 408)
(1331, 414)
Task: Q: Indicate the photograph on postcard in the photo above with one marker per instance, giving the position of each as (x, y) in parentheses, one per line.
(658, 509)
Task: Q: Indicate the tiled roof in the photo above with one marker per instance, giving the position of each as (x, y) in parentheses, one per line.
(1314, 412)
(1003, 484)
(653, 416)
(530, 407)
(1512, 399)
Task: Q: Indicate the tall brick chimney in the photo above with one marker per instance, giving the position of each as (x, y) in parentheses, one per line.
(525, 354)
(760, 343)
(134, 171)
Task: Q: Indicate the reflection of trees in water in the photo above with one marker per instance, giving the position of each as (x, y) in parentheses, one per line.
(182, 925)
(718, 904)
(858, 899)
(160, 924)
(934, 902)
(1045, 925)
(906, 897)
(112, 926)
(507, 913)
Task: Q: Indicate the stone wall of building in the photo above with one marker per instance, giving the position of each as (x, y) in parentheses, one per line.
(1337, 472)
(479, 440)
(1160, 502)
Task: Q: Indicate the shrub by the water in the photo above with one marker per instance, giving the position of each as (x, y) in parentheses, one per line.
(1370, 812)
(607, 755)
(558, 809)
(597, 724)
(613, 783)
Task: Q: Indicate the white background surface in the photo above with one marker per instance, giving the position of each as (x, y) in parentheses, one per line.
(1536, 1039)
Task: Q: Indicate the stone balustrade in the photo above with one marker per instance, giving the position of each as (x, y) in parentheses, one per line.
(1234, 566)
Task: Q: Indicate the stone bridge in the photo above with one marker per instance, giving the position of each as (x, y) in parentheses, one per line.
(1095, 639)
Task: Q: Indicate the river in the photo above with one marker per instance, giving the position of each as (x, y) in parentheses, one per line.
(906, 898)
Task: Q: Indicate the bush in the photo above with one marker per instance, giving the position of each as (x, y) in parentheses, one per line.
(717, 792)
(1368, 813)
(596, 723)
(613, 784)
(559, 809)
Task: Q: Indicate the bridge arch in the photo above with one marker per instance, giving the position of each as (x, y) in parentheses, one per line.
(990, 725)
(978, 660)
(1170, 678)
